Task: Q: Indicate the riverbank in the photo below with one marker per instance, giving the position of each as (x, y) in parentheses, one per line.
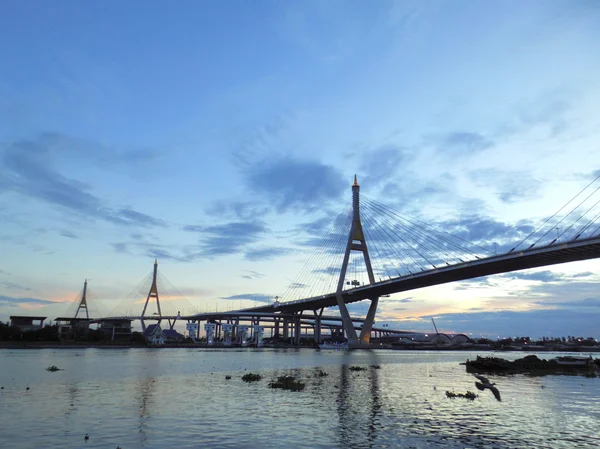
(125, 345)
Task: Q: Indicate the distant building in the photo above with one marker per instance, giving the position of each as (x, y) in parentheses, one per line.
(155, 335)
(72, 328)
(173, 335)
(116, 328)
(26, 323)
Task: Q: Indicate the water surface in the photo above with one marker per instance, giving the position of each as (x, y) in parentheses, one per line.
(158, 398)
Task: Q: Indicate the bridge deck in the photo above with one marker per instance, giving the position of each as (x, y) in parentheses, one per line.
(503, 263)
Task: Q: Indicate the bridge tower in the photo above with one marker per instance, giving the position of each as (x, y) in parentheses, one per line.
(83, 303)
(356, 242)
(153, 293)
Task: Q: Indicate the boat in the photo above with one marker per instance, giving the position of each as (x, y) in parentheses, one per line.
(334, 346)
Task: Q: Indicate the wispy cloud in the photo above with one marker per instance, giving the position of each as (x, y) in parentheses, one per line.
(68, 234)
(12, 301)
(250, 274)
(266, 253)
(288, 183)
(461, 143)
(29, 169)
(228, 238)
(259, 297)
(13, 286)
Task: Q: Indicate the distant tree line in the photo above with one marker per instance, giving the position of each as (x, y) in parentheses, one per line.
(544, 341)
(13, 333)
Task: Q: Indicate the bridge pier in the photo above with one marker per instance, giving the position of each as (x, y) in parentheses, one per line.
(317, 328)
(285, 329)
(297, 330)
(365, 333)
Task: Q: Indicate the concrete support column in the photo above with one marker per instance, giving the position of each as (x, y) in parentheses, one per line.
(298, 329)
(318, 325)
(365, 333)
(285, 329)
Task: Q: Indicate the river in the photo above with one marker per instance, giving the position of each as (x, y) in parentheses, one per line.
(180, 398)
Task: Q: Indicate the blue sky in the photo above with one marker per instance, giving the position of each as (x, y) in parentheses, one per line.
(222, 138)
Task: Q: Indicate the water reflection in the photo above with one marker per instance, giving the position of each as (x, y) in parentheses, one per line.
(146, 403)
(116, 396)
(358, 405)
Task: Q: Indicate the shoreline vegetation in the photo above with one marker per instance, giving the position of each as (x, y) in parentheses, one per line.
(139, 344)
(47, 337)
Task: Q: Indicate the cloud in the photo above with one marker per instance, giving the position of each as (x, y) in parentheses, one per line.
(511, 186)
(317, 227)
(287, 183)
(485, 231)
(266, 253)
(228, 238)
(587, 302)
(259, 297)
(541, 276)
(120, 247)
(68, 234)
(382, 164)
(250, 274)
(238, 210)
(459, 143)
(28, 168)
(130, 217)
(12, 286)
(11, 301)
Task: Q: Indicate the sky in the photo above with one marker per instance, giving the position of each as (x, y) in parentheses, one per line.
(222, 139)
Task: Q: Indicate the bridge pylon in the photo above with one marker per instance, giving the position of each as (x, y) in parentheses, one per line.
(152, 294)
(83, 303)
(356, 242)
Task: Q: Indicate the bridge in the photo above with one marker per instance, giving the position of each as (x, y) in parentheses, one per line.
(410, 254)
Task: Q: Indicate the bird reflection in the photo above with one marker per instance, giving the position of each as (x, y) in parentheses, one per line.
(485, 383)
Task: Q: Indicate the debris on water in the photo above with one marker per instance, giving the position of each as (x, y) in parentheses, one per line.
(357, 368)
(53, 368)
(250, 377)
(287, 383)
(468, 395)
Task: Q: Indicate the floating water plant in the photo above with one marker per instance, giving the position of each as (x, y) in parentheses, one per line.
(468, 395)
(250, 377)
(357, 368)
(287, 383)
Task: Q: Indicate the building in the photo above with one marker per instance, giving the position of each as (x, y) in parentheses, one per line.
(72, 328)
(155, 335)
(172, 335)
(26, 323)
(116, 328)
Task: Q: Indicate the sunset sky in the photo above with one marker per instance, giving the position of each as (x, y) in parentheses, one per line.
(222, 138)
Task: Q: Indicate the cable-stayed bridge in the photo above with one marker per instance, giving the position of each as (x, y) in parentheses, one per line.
(372, 251)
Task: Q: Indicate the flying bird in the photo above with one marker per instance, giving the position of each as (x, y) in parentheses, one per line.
(485, 383)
